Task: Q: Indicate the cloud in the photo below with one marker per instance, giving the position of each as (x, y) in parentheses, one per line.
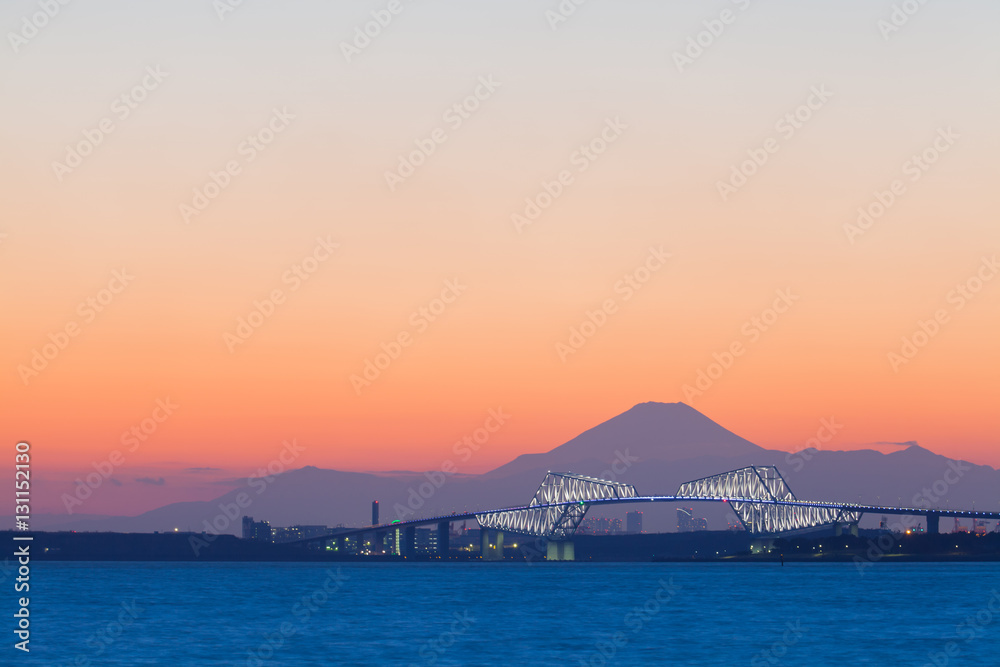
(908, 443)
(205, 469)
(114, 481)
(155, 481)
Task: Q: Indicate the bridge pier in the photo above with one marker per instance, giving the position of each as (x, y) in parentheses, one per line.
(409, 546)
(561, 550)
(490, 551)
(838, 529)
(932, 523)
(442, 538)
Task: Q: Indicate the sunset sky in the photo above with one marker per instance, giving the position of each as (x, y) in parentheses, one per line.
(123, 287)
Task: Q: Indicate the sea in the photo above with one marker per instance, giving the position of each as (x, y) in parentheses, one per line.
(525, 613)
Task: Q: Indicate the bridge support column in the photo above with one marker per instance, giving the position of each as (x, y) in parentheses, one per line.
(409, 546)
(562, 550)
(838, 529)
(490, 551)
(854, 529)
(932, 523)
(442, 538)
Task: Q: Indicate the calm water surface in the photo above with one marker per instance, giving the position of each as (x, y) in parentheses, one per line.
(511, 614)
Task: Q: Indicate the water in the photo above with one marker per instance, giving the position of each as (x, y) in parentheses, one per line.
(510, 614)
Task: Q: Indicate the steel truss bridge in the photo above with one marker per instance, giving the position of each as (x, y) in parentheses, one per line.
(759, 496)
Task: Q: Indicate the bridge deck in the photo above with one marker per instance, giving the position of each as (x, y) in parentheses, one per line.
(853, 507)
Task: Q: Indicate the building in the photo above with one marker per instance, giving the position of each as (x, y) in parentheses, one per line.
(600, 526)
(687, 522)
(293, 533)
(633, 523)
(426, 540)
(258, 531)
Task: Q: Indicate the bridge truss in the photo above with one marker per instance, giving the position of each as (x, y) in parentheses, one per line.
(557, 507)
(763, 502)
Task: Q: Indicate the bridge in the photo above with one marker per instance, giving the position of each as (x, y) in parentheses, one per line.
(758, 495)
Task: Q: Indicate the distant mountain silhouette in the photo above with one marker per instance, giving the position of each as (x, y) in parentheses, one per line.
(650, 431)
(655, 446)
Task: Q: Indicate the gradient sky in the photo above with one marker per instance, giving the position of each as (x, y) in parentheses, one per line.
(496, 344)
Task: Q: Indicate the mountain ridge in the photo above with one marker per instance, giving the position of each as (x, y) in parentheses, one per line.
(655, 446)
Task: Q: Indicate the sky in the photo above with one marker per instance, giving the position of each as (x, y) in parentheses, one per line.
(232, 226)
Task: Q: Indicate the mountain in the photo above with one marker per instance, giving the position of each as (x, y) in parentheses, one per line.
(655, 446)
(649, 431)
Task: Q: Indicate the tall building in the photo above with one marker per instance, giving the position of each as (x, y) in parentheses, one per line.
(374, 512)
(425, 540)
(633, 522)
(687, 522)
(600, 526)
(258, 531)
